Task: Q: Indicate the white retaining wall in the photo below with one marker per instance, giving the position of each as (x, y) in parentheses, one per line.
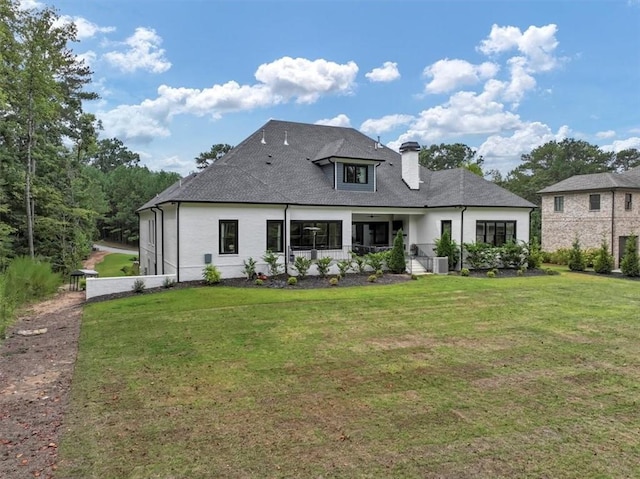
(103, 286)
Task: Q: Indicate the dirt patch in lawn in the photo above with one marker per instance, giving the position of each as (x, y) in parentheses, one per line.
(36, 367)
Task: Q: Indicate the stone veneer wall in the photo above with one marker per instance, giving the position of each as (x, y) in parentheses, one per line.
(559, 229)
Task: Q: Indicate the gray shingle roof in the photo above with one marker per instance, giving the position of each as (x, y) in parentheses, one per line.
(272, 172)
(595, 181)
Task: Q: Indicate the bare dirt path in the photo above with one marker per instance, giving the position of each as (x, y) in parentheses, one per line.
(35, 380)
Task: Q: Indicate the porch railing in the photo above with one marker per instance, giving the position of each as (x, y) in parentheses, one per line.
(335, 254)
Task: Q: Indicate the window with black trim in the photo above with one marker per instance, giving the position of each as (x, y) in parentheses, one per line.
(152, 232)
(558, 204)
(275, 238)
(594, 202)
(628, 201)
(445, 226)
(228, 236)
(305, 235)
(495, 233)
(356, 174)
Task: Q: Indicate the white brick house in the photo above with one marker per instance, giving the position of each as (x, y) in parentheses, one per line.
(592, 208)
(290, 187)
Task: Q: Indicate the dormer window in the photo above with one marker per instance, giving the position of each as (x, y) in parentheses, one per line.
(357, 174)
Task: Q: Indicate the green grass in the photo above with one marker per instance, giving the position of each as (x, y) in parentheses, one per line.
(440, 377)
(113, 263)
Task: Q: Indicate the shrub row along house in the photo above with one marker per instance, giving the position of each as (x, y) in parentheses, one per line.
(592, 208)
(302, 189)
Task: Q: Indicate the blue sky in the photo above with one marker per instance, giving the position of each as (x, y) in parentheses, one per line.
(177, 76)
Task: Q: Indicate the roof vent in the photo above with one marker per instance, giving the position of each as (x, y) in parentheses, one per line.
(286, 143)
(263, 141)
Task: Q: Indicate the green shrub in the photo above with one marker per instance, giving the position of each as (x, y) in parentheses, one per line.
(376, 260)
(534, 256)
(560, 256)
(551, 272)
(513, 254)
(603, 262)
(414, 276)
(359, 262)
(589, 256)
(168, 283)
(464, 272)
(396, 261)
(138, 286)
(272, 260)
(372, 278)
(344, 266)
(292, 281)
(520, 272)
(29, 279)
(323, 265)
(491, 274)
(302, 265)
(446, 247)
(211, 274)
(333, 281)
(477, 254)
(576, 257)
(259, 282)
(249, 269)
(82, 284)
(630, 264)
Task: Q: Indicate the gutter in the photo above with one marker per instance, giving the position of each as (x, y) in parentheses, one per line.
(284, 241)
(139, 251)
(464, 208)
(613, 210)
(178, 242)
(162, 232)
(155, 244)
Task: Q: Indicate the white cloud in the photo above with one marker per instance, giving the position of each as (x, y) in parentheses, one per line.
(135, 122)
(143, 53)
(340, 120)
(85, 28)
(29, 4)
(384, 124)
(89, 57)
(306, 80)
(280, 82)
(447, 75)
(504, 152)
(466, 113)
(176, 164)
(520, 82)
(537, 44)
(619, 145)
(386, 73)
(606, 134)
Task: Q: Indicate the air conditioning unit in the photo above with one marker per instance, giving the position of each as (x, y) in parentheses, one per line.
(440, 265)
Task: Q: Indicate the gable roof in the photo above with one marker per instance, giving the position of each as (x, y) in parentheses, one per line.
(596, 181)
(263, 169)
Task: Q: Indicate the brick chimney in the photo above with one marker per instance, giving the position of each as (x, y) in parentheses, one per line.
(410, 165)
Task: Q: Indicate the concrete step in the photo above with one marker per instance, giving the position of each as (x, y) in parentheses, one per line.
(417, 268)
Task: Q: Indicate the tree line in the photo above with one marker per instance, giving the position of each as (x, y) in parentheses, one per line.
(60, 186)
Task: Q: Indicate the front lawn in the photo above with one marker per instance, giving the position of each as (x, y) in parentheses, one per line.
(440, 377)
(113, 264)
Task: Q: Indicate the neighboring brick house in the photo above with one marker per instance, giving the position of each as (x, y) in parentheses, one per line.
(592, 208)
